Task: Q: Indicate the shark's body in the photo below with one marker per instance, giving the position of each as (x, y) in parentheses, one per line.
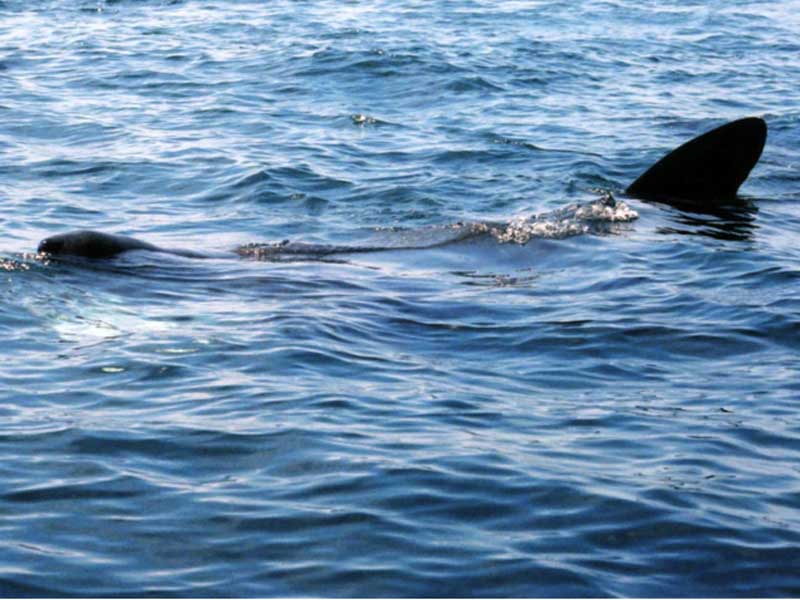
(704, 173)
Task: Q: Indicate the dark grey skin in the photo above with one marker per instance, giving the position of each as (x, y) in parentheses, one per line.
(699, 176)
(94, 244)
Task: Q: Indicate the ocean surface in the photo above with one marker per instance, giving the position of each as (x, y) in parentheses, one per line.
(571, 410)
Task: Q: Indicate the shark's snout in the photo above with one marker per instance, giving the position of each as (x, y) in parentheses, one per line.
(51, 245)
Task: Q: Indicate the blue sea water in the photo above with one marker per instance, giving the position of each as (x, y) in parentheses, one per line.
(606, 414)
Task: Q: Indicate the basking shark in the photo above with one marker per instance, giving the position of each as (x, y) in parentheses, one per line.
(703, 174)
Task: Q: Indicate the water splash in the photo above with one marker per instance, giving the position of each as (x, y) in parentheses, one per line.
(602, 216)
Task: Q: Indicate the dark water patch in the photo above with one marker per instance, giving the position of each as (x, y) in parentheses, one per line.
(95, 490)
(471, 84)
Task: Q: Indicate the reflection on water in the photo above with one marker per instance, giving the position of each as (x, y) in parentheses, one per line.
(733, 223)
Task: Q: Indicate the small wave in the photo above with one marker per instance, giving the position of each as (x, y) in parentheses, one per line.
(471, 84)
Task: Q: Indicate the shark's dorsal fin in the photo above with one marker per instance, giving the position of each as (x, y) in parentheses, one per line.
(707, 170)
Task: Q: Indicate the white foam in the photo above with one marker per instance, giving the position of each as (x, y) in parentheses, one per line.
(575, 219)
